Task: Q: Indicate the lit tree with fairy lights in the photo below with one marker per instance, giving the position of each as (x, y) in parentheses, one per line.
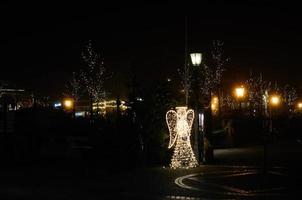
(203, 82)
(289, 96)
(94, 76)
(211, 75)
(258, 92)
(219, 64)
(210, 78)
(186, 81)
(74, 87)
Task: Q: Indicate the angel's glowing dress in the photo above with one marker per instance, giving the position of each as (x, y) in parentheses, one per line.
(180, 125)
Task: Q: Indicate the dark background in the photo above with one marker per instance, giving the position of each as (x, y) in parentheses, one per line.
(41, 44)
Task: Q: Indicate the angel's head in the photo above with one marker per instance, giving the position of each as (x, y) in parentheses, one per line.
(181, 111)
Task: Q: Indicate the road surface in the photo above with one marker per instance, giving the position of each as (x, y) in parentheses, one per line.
(237, 174)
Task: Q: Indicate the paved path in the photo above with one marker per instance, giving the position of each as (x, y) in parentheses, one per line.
(237, 174)
(244, 182)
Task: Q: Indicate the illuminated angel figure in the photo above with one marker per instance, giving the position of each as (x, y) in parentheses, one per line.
(180, 125)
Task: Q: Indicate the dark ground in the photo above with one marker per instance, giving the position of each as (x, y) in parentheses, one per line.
(236, 174)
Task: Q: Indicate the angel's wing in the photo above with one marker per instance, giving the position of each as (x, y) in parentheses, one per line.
(190, 119)
(171, 119)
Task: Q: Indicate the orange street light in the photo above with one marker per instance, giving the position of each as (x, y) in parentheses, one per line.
(215, 100)
(68, 104)
(240, 92)
(299, 106)
(214, 104)
(275, 100)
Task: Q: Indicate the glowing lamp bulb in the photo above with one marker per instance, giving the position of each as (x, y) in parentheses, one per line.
(68, 103)
(240, 92)
(275, 100)
(196, 58)
(215, 100)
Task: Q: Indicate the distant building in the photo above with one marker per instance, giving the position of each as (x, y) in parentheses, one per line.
(10, 101)
(83, 108)
(11, 98)
(108, 106)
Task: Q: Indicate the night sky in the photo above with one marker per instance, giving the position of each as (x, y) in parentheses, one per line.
(41, 44)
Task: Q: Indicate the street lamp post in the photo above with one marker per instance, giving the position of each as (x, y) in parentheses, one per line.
(68, 106)
(240, 93)
(274, 101)
(196, 59)
(299, 107)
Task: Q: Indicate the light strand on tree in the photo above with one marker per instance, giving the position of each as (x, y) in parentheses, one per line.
(74, 87)
(94, 77)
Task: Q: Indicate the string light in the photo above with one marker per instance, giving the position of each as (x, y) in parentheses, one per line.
(109, 104)
(95, 75)
(74, 87)
(180, 125)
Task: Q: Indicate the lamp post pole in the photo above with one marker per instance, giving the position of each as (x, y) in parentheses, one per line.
(270, 128)
(196, 59)
(274, 101)
(240, 105)
(240, 93)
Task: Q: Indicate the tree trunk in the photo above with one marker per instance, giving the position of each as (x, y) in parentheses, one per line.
(219, 103)
(91, 109)
(196, 134)
(74, 108)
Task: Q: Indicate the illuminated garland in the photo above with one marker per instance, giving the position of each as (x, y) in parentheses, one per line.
(180, 125)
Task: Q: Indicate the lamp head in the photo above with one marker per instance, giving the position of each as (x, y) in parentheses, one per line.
(196, 58)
